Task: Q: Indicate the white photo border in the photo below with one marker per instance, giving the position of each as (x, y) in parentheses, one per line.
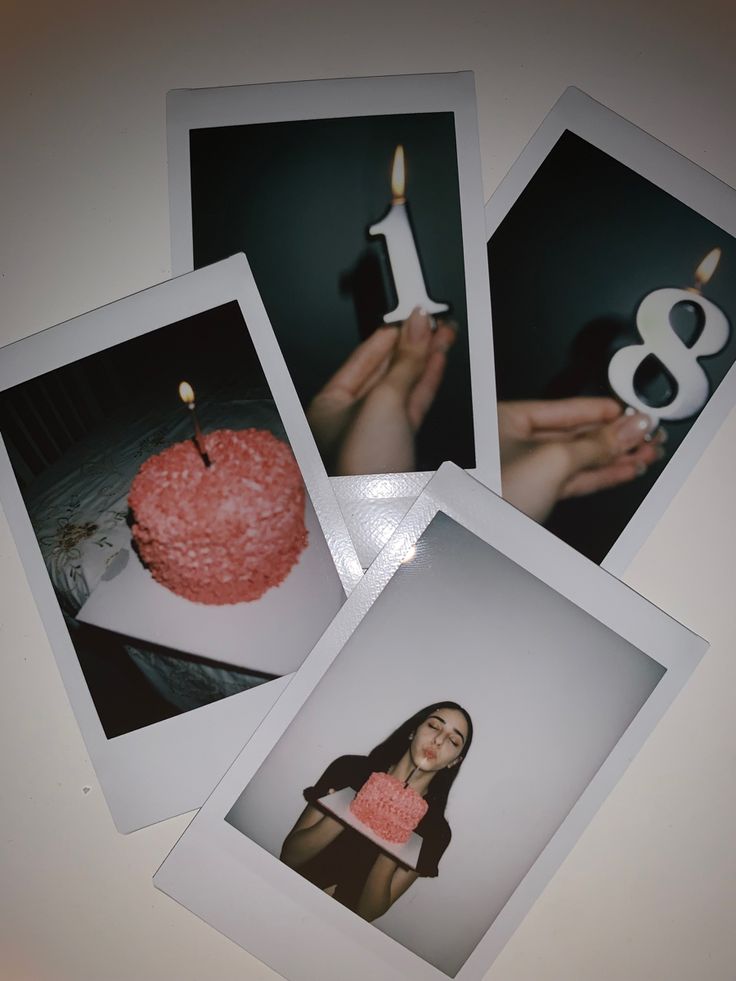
(216, 870)
(147, 774)
(665, 168)
(372, 504)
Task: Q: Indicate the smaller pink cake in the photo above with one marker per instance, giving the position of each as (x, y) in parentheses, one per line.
(390, 809)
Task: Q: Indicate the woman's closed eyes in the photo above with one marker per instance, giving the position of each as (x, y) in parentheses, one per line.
(454, 738)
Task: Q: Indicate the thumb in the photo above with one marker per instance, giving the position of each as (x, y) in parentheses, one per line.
(605, 444)
(411, 353)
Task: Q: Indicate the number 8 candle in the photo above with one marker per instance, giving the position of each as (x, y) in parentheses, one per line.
(659, 339)
(402, 251)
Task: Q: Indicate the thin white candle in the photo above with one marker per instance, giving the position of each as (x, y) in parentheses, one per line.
(403, 258)
(653, 324)
(186, 394)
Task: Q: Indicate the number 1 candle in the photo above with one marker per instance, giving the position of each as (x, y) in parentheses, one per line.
(402, 251)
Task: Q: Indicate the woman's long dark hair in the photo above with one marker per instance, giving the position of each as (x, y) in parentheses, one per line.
(390, 751)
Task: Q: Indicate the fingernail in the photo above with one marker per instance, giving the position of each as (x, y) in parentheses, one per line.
(632, 428)
(640, 469)
(661, 453)
(629, 411)
(662, 435)
(417, 324)
(445, 337)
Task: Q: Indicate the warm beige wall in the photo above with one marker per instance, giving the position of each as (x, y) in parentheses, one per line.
(649, 891)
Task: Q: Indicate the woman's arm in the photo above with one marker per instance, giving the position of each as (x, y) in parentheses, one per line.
(385, 883)
(311, 833)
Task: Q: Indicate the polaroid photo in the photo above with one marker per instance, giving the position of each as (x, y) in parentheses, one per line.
(438, 754)
(613, 290)
(176, 527)
(358, 202)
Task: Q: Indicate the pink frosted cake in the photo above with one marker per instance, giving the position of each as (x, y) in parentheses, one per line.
(389, 808)
(224, 533)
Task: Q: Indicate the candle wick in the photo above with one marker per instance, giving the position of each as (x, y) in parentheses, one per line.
(198, 438)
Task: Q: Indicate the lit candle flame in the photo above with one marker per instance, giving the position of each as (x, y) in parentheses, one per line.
(186, 393)
(707, 267)
(398, 175)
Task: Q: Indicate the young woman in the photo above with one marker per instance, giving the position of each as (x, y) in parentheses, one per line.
(425, 753)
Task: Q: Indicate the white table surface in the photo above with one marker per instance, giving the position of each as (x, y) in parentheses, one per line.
(649, 891)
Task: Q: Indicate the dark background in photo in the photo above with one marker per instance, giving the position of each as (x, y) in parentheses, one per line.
(582, 246)
(74, 425)
(298, 198)
(44, 417)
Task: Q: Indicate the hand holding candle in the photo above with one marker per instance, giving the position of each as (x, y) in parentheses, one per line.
(660, 340)
(364, 419)
(561, 448)
(411, 290)
(186, 394)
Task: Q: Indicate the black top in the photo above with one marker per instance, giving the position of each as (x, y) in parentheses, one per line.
(347, 860)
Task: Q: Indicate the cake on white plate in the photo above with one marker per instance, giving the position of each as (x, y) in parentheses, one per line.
(224, 533)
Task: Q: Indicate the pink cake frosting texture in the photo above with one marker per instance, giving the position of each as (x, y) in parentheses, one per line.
(389, 808)
(224, 533)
